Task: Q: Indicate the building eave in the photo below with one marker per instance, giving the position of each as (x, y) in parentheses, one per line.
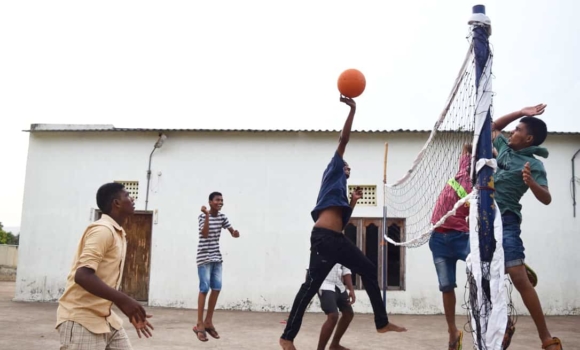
(81, 128)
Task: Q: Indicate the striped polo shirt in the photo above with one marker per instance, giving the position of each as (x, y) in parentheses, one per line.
(208, 249)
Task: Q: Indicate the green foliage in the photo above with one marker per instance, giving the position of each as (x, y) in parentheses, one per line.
(8, 237)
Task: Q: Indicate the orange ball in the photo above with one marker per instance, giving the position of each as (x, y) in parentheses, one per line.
(351, 83)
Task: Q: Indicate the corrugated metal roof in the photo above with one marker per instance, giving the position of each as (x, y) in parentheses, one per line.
(35, 128)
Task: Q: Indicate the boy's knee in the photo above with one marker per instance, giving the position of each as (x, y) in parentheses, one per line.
(448, 289)
(204, 287)
(348, 314)
(369, 271)
(519, 277)
(333, 317)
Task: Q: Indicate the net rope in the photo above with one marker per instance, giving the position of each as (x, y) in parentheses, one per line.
(414, 195)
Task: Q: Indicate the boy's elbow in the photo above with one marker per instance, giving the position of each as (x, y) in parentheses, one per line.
(545, 199)
(343, 140)
(547, 196)
(81, 275)
(78, 277)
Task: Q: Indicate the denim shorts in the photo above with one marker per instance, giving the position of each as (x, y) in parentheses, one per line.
(210, 276)
(513, 246)
(447, 248)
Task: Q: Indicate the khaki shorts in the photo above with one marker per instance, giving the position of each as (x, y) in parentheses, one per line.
(73, 336)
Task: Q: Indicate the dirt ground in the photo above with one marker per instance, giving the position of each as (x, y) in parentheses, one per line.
(28, 326)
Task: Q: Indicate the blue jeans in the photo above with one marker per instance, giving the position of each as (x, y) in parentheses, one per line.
(513, 247)
(210, 276)
(447, 248)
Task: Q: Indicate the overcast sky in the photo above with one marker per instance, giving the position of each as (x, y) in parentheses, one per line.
(266, 64)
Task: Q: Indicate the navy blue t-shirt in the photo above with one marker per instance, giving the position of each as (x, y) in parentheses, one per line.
(333, 190)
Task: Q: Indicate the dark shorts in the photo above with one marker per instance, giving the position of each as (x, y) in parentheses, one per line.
(447, 248)
(513, 246)
(331, 302)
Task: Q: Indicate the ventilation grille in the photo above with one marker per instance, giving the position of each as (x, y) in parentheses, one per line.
(369, 194)
(132, 187)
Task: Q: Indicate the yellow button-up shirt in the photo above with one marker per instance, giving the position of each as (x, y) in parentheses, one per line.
(102, 248)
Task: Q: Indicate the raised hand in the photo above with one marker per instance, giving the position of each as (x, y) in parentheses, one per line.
(349, 101)
(535, 110)
(204, 210)
(357, 194)
(527, 174)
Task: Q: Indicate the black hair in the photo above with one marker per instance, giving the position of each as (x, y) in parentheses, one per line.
(106, 194)
(213, 195)
(537, 128)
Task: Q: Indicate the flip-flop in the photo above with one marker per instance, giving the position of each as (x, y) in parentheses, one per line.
(458, 343)
(532, 275)
(213, 332)
(204, 333)
(508, 335)
(553, 341)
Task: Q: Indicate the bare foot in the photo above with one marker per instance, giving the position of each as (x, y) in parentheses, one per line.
(287, 344)
(337, 347)
(391, 327)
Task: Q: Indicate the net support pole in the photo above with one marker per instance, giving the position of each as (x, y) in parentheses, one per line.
(485, 181)
(573, 184)
(384, 241)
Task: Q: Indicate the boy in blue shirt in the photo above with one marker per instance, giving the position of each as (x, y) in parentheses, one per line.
(517, 171)
(328, 245)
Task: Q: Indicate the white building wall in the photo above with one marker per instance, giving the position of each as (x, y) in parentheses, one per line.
(270, 182)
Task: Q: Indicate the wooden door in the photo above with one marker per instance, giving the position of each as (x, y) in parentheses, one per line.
(135, 281)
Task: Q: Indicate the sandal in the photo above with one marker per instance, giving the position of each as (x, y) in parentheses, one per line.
(458, 343)
(553, 341)
(509, 333)
(213, 332)
(531, 275)
(203, 333)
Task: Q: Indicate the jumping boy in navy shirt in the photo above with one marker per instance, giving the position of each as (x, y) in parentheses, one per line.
(328, 245)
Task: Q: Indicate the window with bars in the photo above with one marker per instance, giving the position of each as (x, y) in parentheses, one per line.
(132, 187)
(367, 235)
(369, 197)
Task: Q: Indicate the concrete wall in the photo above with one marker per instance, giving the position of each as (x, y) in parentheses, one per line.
(270, 182)
(8, 262)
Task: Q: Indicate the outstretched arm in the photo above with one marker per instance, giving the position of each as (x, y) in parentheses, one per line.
(501, 123)
(345, 134)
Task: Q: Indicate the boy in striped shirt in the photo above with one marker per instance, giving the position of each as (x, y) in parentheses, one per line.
(209, 262)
